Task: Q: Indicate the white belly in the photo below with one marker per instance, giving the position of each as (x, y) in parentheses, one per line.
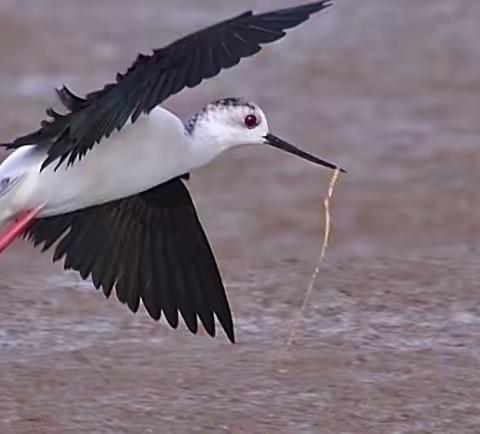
(153, 150)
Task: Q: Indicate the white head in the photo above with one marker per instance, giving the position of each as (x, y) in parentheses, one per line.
(232, 122)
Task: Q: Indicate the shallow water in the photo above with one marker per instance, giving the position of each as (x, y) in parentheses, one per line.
(389, 90)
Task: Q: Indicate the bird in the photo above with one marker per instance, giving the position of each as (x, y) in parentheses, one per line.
(103, 181)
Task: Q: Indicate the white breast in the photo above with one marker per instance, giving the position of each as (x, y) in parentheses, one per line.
(153, 150)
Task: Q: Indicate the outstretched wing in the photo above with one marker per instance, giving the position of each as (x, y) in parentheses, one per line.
(151, 79)
(150, 247)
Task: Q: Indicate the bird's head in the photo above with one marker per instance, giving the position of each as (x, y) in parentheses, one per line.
(232, 122)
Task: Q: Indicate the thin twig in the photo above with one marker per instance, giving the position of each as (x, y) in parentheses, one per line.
(321, 259)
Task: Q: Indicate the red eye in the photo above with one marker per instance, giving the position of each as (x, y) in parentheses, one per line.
(251, 121)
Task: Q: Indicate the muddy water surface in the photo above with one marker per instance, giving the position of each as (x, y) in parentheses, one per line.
(390, 343)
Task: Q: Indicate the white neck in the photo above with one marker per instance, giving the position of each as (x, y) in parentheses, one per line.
(206, 145)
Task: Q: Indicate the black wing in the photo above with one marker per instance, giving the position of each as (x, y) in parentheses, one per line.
(150, 247)
(151, 79)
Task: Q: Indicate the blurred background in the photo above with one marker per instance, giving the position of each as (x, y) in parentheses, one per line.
(390, 342)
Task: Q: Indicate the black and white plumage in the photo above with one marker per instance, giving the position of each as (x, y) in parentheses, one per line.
(151, 247)
(119, 212)
(152, 79)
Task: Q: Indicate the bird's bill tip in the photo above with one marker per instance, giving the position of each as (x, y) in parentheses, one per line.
(277, 142)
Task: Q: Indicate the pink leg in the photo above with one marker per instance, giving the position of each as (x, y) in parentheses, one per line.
(22, 222)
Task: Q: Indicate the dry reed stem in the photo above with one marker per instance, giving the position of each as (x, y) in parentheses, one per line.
(321, 259)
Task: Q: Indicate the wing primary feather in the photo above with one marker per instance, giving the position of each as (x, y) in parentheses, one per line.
(197, 283)
(179, 268)
(150, 294)
(118, 263)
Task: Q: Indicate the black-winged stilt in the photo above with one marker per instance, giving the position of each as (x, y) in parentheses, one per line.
(112, 197)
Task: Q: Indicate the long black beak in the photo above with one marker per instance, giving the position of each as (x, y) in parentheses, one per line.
(276, 142)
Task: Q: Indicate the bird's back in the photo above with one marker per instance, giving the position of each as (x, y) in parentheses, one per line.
(147, 153)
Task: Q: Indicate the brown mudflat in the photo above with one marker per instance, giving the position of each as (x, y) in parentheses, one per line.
(391, 341)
